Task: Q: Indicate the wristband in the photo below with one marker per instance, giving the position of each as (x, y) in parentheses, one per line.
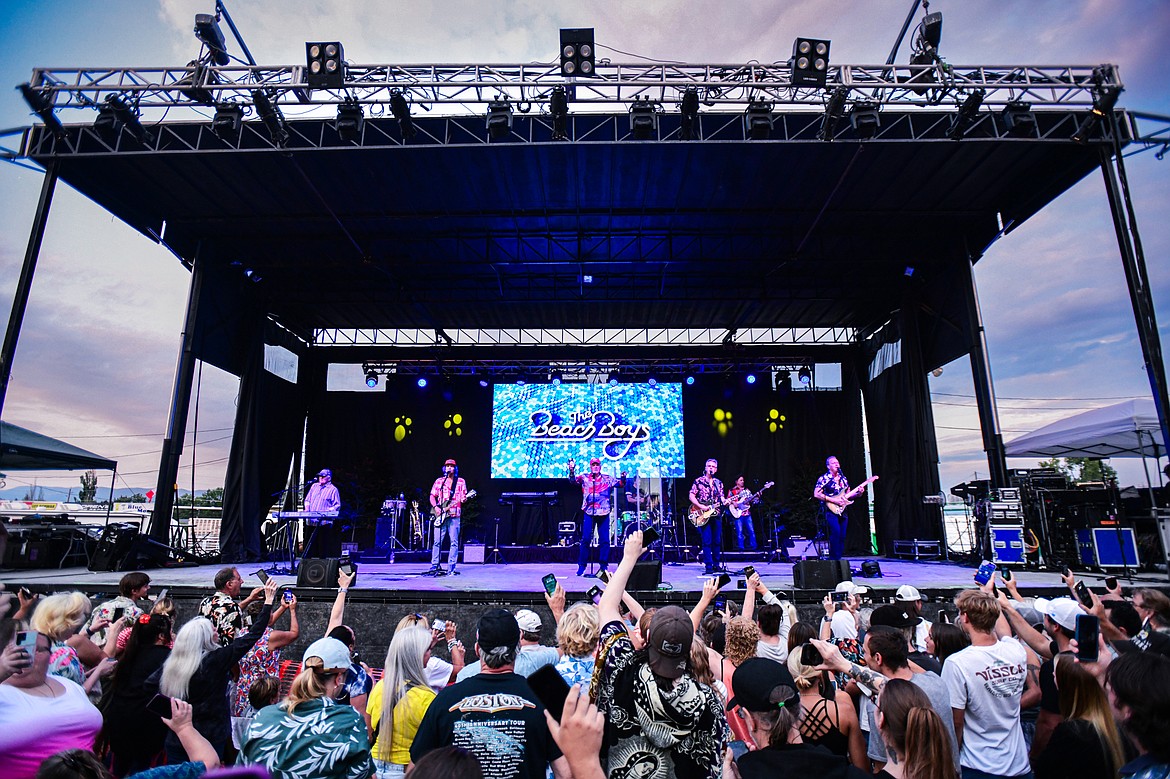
(343, 589)
(453, 643)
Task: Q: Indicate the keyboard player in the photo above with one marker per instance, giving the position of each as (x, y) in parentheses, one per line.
(323, 496)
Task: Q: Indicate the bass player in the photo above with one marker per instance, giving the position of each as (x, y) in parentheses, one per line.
(447, 497)
(833, 492)
(706, 497)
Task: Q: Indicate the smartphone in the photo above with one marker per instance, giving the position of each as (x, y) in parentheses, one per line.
(839, 597)
(262, 575)
(720, 603)
(550, 689)
(810, 655)
(602, 576)
(649, 536)
(1066, 572)
(1005, 573)
(27, 640)
(346, 568)
(26, 592)
(1083, 595)
(1088, 629)
(287, 597)
(162, 594)
(748, 570)
(738, 749)
(117, 615)
(594, 593)
(439, 625)
(160, 705)
(549, 581)
(985, 572)
(1111, 582)
(724, 580)
(355, 657)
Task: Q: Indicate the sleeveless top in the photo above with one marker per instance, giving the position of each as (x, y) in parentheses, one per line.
(818, 728)
(260, 661)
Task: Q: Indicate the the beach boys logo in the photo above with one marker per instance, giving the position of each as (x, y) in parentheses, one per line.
(616, 437)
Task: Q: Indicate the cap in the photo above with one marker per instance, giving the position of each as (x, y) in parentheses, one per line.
(324, 472)
(851, 588)
(450, 461)
(907, 593)
(334, 654)
(669, 641)
(497, 628)
(892, 616)
(528, 620)
(595, 461)
(1062, 611)
(757, 681)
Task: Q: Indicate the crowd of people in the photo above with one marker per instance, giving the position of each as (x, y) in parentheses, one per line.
(996, 686)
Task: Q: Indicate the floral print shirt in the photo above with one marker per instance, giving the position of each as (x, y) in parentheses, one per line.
(323, 739)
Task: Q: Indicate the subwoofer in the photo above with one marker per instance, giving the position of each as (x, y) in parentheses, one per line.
(318, 572)
(114, 544)
(820, 574)
(647, 575)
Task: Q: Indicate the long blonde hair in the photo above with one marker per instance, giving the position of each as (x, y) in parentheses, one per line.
(193, 642)
(307, 685)
(1081, 697)
(59, 615)
(404, 670)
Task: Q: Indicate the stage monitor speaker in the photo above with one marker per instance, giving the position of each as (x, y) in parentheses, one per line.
(322, 571)
(820, 574)
(145, 553)
(871, 569)
(112, 547)
(384, 534)
(647, 575)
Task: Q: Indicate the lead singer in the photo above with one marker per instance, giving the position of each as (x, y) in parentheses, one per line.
(595, 488)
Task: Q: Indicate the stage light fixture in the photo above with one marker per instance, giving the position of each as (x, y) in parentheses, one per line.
(499, 119)
(690, 380)
(578, 53)
(757, 120)
(422, 382)
(401, 110)
(483, 382)
(270, 114)
(643, 120)
(805, 375)
(193, 85)
(613, 382)
(689, 130)
(520, 382)
(1103, 102)
(350, 120)
(653, 382)
(810, 62)
(325, 65)
(1018, 119)
(750, 378)
(371, 376)
(863, 116)
(208, 32)
(834, 112)
(42, 105)
(558, 108)
(930, 32)
(968, 112)
(116, 114)
(556, 381)
(227, 121)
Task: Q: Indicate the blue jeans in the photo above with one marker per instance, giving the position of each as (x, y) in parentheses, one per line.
(601, 522)
(745, 533)
(712, 535)
(452, 526)
(837, 527)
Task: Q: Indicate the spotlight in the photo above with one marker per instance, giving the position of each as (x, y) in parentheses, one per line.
(227, 121)
(810, 62)
(751, 378)
(613, 382)
(586, 279)
(1103, 103)
(271, 116)
(690, 115)
(653, 382)
(864, 118)
(558, 107)
(422, 382)
(208, 32)
(371, 376)
(577, 51)
(643, 120)
(325, 65)
(499, 119)
(401, 110)
(520, 382)
(556, 381)
(192, 86)
(805, 375)
(690, 380)
(968, 111)
(483, 382)
(834, 111)
(114, 115)
(757, 120)
(1018, 119)
(909, 271)
(350, 121)
(930, 32)
(42, 106)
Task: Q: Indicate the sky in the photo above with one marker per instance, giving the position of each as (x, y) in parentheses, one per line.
(97, 353)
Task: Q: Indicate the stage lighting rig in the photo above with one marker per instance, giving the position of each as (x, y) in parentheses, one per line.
(116, 114)
(228, 120)
(324, 65)
(42, 105)
(1105, 98)
(578, 54)
(689, 130)
(1018, 119)
(863, 116)
(810, 62)
(968, 111)
(929, 35)
(558, 108)
(350, 120)
(208, 32)
(499, 119)
(757, 120)
(834, 112)
(371, 375)
(805, 375)
(270, 114)
(193, 86)
(643, 119)
(401, 110)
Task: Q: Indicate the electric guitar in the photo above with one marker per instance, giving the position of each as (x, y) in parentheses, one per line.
(700, 517)
(848, 496)
(743, 501)
(439, 512)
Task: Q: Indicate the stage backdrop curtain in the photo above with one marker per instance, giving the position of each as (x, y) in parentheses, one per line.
(903, 448)
(269, 421)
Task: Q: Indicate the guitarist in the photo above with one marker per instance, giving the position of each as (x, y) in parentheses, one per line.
(707, 491)
(447, 496)
(833, 487)
(595, 490)
(745, 532)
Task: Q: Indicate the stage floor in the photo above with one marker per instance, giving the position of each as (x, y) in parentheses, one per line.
(492, 582)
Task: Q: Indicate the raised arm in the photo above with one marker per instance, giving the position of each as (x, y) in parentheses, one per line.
(337, 615)
(282, 638)
(710, 590)
(607, 608)
(749, 597)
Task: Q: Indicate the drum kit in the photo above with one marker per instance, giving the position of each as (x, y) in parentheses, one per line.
(647, 513)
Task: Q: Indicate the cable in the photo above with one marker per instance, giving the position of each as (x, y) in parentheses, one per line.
(642, 56)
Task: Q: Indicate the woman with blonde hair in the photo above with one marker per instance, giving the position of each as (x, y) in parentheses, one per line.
(403, 692)
(915, 737)
(288, 738)
(59, 616)
(577, 635)
(830, 718)
(1086, 743)
(701, 668)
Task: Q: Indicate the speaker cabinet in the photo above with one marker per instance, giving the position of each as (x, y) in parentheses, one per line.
(820, 574)
(321, 571)
(113, 546)
(647, 575)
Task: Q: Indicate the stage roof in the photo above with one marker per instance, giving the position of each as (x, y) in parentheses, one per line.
(451, 231)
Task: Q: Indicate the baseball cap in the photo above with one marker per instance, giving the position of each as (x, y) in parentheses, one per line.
(893, 616)
(908, 592)
(497, 628)
(333, 654)
(595, 461)
(528, 620)
(450, 461)
(670, 636)
(851, 588)
(760, 684)
(1062, 611)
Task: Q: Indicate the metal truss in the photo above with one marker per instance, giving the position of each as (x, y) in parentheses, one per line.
(586, 372)
(526, 85)
(775, 336)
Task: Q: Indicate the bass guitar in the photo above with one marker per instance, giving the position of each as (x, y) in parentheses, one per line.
(439, 512)
(743, 501)
(848, 496)
(700, 517)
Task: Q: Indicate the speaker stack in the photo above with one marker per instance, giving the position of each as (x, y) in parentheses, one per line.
(820, 574)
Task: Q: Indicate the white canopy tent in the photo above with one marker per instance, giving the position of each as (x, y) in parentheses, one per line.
(1127, 429)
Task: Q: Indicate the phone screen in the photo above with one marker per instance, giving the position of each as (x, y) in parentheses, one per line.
(347, 569)
(262, 576)
(287, 597)
(1088, 628)
(738, 749)
(160, 705)
(649, 536)
(1083, 595)
(550, 689)
(550, 583)
(720, 603)
(603, 576)
(27, 640)
(1006, 573)
(839, 597)
(810, 655)
(117, 615)
(724, 580)
(594, 593)
(985, 572)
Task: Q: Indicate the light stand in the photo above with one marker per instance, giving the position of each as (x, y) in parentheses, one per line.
(496, 557)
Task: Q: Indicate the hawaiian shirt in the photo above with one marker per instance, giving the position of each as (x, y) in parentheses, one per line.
(226, 616)
(261, 660)
(64, 662)
(595, 492)
(106, 611)
(357, 681)
(323, 739)
(745, 510)
(829, 486)
(441, 492)
(577, 670)
(707, 493)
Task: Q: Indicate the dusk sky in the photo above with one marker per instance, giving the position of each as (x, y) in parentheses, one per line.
(97, 353)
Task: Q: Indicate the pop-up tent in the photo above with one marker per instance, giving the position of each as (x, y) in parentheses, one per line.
(1127, 429)
(24, 450)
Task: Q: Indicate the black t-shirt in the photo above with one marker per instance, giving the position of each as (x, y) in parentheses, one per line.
(798, 761)
(925, 661)
(1075, 749)
(498, 719)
